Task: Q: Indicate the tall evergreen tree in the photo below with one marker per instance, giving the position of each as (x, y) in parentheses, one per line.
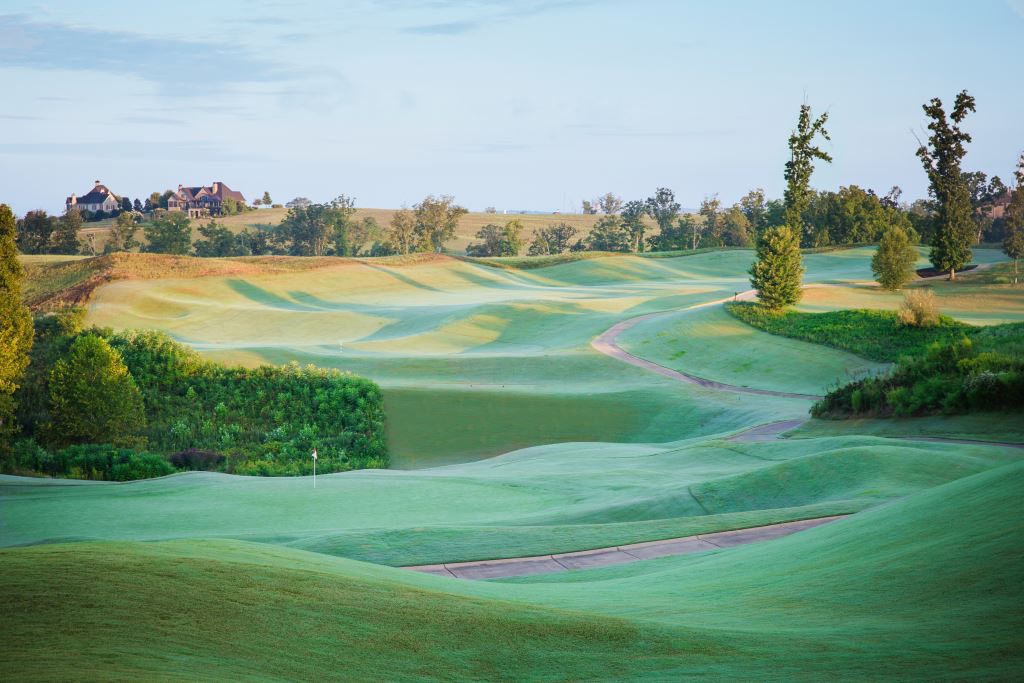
(15, 324)
(941, 156)
(778, 271)
(802, 153)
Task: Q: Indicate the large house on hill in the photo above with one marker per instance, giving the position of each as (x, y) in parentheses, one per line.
(98, 198)
(203, 200)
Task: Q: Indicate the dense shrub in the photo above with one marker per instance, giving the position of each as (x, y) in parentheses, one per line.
(208, 415)
(197, 459)
(950, 378)
(86, 461)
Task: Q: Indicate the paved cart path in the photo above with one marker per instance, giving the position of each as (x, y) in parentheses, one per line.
(605, 343)
(603, 557)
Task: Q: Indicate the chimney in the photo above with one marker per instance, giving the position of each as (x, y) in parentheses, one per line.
(180, 186)
(216, 187)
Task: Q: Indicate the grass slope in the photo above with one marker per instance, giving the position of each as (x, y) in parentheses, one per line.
(926, 588)
(540, 500)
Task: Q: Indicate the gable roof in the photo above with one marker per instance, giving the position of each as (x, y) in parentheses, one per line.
(96, 195)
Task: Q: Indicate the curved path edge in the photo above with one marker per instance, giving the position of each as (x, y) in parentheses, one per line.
(605, 343)
(620, 554)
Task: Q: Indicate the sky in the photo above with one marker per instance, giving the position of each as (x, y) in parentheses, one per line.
(516, 104)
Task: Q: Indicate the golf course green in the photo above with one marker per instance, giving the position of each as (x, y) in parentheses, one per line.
(511, 435)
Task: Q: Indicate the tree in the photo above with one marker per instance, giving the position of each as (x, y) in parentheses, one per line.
(778, 271)
(498, 240)
(709, 213)
(218, 241)
(64, 239)
(1013, 243)
(588, 207)
(94, 398)
(891, 200)
(148, 206)
(802, 153)
(257, 203)
(34, 232)
(342, 209)
(308, 230)
(126, 204)
(893, 263)
(753, 206)
(137, 206)
(267, 201)
(16, 331)
(162, 200)
(633, 214)
(122, 233)
(169, 234)
(609, 203)
(663, 208)
(608, 234)
(734, 227)
(554, 239)
(401, 234)
(490, 209)
(437, 218)
(941, 157)
(298, 203)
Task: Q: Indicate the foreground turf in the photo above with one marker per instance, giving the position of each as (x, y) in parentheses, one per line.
(542, 500)
(926, 588)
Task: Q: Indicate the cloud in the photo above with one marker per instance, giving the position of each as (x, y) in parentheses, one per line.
(504, 10)
(176, 67)
(618, 131)
(127, 149)
(450, 28)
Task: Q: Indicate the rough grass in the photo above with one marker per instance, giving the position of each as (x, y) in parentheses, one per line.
(878, 335)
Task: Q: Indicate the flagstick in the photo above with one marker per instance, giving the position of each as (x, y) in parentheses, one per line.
(314, 472)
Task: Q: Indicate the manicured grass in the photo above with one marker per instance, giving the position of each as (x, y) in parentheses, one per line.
(711, 344)
(928, 587)
(996, 426)
(547, 499)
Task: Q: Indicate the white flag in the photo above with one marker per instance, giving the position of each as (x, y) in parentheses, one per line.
(314, 454)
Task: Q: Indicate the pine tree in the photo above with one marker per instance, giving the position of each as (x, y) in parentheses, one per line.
(778, 272)
(954, 229)
(893, 263)
(15, 324)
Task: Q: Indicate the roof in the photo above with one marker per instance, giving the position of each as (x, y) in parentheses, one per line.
(96, 195)
(217, 189)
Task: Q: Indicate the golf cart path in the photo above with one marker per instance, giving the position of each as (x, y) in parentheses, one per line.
(621, 554)
(605, 343)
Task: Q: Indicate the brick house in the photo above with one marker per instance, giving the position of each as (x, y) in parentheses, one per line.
(98, 198)
(202, 200)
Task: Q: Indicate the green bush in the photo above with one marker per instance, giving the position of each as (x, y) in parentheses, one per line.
(263, 420)
(86, 461)
(951, 377)
(93, 396)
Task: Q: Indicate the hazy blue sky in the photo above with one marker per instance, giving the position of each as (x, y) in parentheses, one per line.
(512, 103)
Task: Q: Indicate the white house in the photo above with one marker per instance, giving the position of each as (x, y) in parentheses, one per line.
(97, 199)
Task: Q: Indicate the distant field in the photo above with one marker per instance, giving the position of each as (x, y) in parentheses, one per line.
(469, 225)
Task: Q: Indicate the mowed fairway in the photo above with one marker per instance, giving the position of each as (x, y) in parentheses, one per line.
(478, 361)
(205, 575)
